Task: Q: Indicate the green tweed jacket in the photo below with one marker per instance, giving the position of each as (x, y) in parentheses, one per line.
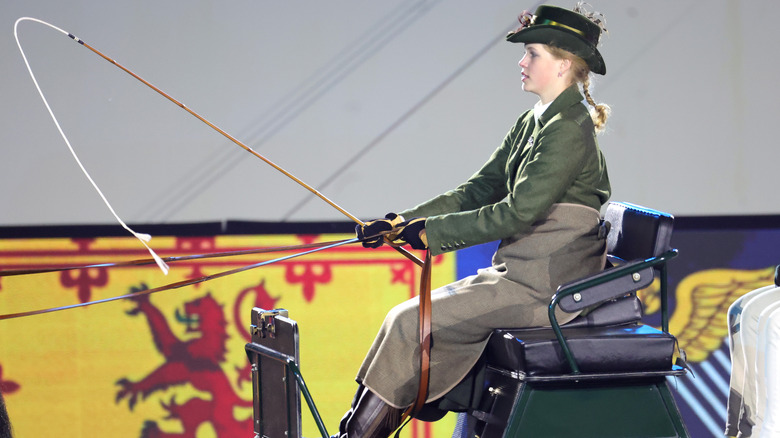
(537, 165)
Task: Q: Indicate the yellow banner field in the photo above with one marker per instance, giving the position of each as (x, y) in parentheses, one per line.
(173, 364)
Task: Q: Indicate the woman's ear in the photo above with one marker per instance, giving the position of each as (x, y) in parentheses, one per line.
(565, 66)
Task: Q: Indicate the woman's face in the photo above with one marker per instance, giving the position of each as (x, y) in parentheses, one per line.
(540, 72)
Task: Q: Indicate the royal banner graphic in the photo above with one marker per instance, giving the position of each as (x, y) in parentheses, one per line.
(172, 364)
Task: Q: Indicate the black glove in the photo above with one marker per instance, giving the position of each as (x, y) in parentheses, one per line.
(367, 232)
(412, 232)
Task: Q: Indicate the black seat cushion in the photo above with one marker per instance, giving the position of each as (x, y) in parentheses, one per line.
(615, 349)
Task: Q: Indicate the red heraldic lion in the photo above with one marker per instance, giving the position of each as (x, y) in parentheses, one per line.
(197, 362)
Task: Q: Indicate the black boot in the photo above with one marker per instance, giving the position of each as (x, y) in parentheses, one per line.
(348, 414)
(370, 417)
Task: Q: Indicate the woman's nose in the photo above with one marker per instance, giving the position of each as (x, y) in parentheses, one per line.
(522, 62)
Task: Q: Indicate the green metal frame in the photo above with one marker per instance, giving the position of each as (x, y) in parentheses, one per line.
(307, 395)
(289, 362)
(609, 275)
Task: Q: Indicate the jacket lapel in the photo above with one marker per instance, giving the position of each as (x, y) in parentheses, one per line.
(526, 141)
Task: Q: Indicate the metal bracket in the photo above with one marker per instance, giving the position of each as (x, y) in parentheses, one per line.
(267, 327)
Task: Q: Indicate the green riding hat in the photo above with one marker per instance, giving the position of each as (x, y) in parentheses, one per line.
(565, 29)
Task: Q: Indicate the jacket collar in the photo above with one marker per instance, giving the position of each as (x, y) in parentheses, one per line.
(567, 98)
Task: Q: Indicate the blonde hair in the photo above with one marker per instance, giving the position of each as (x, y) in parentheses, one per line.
(581, 74)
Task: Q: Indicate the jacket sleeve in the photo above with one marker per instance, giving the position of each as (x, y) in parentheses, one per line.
(487, 185)
(541, 179)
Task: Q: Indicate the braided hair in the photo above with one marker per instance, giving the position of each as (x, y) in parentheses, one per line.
(581, 72)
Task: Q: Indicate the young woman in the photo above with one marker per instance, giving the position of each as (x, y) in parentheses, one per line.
(539, 193)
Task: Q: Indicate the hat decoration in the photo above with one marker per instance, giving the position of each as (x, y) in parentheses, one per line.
(565, 29)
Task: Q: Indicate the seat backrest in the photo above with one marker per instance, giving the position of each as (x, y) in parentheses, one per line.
(637, 232)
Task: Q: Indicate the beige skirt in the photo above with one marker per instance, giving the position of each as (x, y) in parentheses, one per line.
(514, 292)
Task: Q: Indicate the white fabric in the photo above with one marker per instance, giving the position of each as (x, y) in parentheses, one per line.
(539, 109)
(751, 342)
(771, 404)
(738, 363)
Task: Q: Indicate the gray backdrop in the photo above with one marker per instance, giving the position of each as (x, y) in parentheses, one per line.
(379, 105)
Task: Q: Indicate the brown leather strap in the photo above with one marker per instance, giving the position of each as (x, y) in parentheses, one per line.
(425, 334)
(425, 344)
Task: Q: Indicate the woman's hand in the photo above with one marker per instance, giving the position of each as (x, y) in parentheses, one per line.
(412, 232)
(369, 233)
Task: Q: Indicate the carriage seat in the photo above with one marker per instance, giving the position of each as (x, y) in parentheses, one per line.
(606, 341)
(610, 338)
